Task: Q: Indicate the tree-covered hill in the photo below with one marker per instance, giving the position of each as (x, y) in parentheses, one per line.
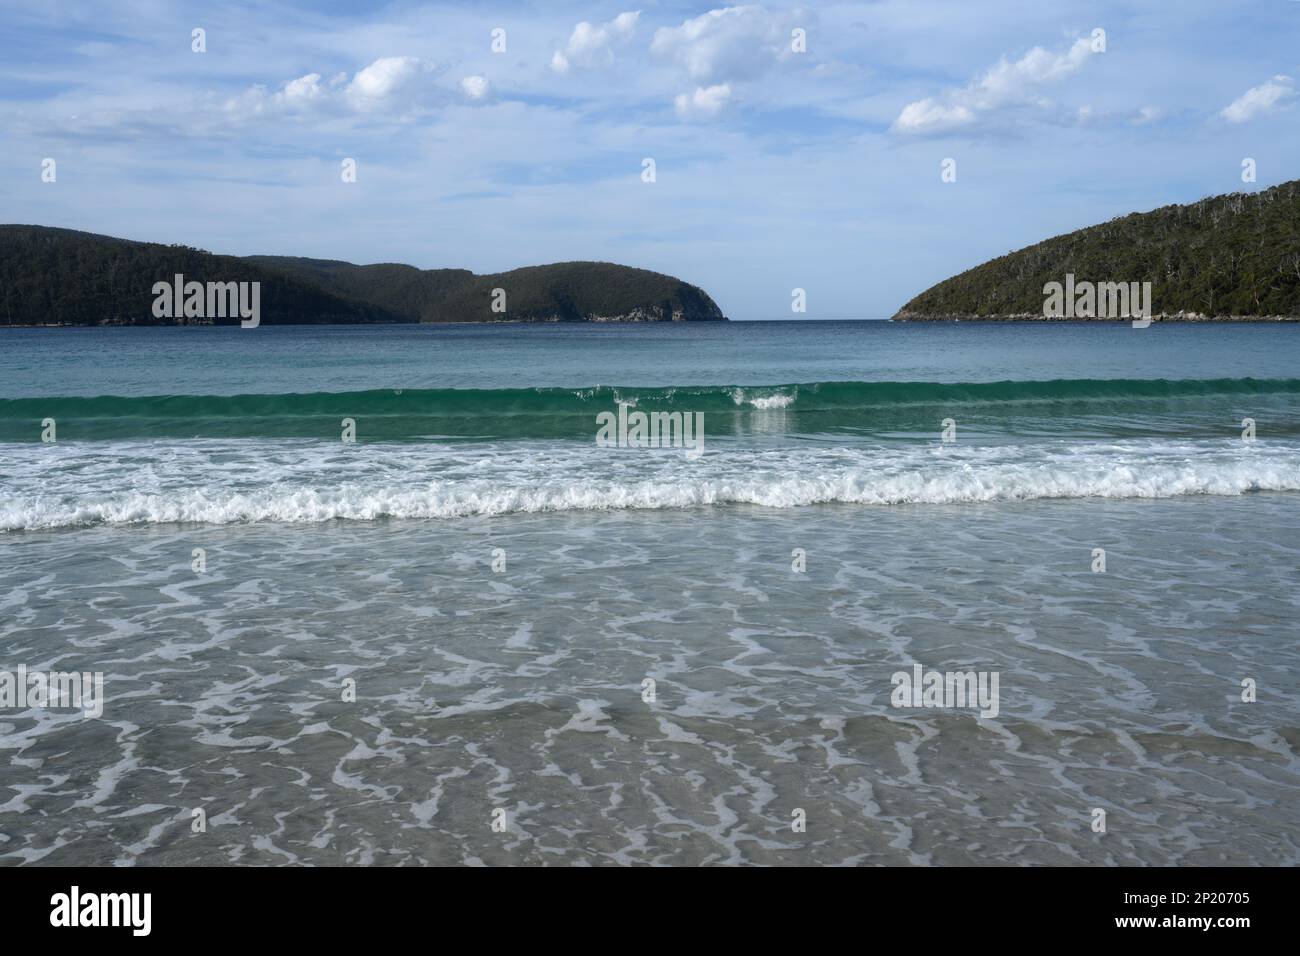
(63, 277)
(404, 290)
(581, 291)
(561, 292)
(1232, 256)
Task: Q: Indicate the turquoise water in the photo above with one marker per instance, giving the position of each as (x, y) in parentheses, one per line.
(500, 586)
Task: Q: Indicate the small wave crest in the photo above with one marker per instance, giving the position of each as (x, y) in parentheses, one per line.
(399, 414)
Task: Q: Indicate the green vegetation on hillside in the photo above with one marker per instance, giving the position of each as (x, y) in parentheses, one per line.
(1234, 255)
(64, 277)
(562, 292)
(573, 291)
(403, 290)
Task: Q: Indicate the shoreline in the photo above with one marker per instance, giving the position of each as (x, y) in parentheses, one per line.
(235, 325)
(1176, 317)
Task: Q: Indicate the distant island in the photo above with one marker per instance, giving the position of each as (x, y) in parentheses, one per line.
(1230, 258)
(63, 277)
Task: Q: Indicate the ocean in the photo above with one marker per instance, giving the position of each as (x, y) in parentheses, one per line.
(475, 636)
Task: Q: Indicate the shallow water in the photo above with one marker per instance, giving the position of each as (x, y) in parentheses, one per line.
(522, 689)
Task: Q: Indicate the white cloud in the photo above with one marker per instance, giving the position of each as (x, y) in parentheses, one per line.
(705, 101)
(381, 80)
(1259, 100)
(926, 114)
(304, 88)
(721, 48)
(590, 45)
(293, 95)
(371, 88)
(729, 43)
(1006, 84)
(475, 87)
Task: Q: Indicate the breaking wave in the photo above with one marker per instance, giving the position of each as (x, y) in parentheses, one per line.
(398, 414)
(221, 482)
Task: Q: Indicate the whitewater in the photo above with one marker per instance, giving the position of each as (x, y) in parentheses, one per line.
(222, 481)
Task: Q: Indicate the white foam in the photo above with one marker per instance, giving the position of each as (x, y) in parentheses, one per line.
(779, 400)
(241, 481)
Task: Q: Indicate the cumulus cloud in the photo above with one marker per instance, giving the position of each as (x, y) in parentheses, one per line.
(475, 87)
(382, 79)
(293, 95)
(704, 102)
(721, 48)
(1009, 83)
(728, 44)
(374, 87)
(591, 45)
(305, 88)
(1259, 100)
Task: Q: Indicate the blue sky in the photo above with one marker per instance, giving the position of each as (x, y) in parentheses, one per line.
(775, 168)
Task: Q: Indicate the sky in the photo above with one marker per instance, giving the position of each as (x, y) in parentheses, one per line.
(792, 147)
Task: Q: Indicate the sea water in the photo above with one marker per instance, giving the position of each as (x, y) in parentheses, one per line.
(474, 635)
